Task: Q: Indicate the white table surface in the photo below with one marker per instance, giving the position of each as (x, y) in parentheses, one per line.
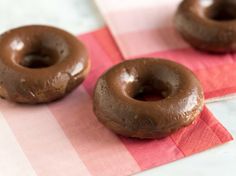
(78, 16)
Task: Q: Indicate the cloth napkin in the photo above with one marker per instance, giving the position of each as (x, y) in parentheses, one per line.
(65, 138)
(144, 28)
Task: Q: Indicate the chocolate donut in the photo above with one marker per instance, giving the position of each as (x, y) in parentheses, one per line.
(120, 102)
(208, 25)
(40, 64)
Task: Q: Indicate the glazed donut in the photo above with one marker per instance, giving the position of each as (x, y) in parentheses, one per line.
(208, 25)
(120, 105)
(40, 64)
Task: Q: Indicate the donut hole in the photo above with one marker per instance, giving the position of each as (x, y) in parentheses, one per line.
(151, 92)
(37, 60)
(38, 50)
(222, 12)
(148, 93)
(154, 84)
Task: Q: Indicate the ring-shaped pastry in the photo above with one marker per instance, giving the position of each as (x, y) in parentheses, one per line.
(208, 25)
(120, 104)
(40, 64)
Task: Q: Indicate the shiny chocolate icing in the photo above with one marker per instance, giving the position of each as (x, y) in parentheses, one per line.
(116, 105)
(208, 25)
(40, 64)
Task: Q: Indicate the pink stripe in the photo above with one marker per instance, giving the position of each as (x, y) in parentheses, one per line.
(13, 160)
(95, 52)
(210, 78)
(216, 126)
(208, 68)
(194, 59)
(195, 138)
(100, 61)
(218, 94)
(107, 42)
(42, 140)
(101, 150)
(203, 134)
(141, 19)
(149, 41)
(149, 153)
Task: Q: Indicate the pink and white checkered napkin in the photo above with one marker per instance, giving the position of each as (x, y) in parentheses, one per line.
(145, 28)
(65, 138)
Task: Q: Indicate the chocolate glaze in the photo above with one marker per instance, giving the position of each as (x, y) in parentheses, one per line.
(116, 106)
(40, 64)
(208, 25)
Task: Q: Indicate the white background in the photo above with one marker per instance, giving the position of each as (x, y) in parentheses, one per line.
(79, 16)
